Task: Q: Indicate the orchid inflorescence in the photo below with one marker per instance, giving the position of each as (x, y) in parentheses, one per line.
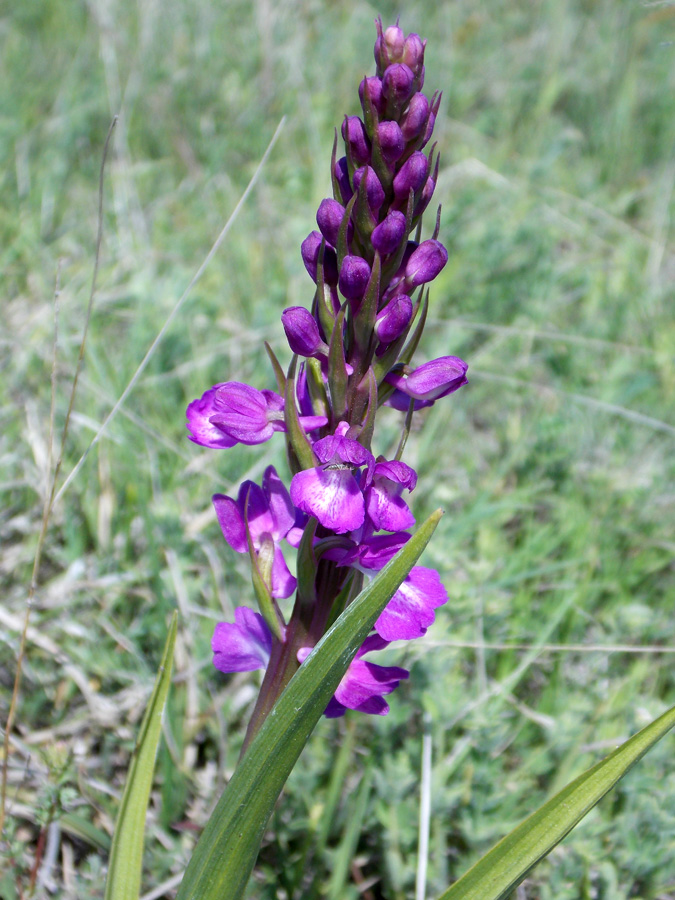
(344, 511)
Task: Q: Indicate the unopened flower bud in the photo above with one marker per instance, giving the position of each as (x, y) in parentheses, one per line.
(413, 53)
(302, 332)
(393, 320)
(354, 277)
(415, 117)
(342, 176)
(387, 236)
(310, 249)
(425, 263)
(392, 143)
(329, 217)
(374, 190)
(411, 176)
(397, 85)
(389, 45)
(432, 380)
(354, 136)
(370, 89)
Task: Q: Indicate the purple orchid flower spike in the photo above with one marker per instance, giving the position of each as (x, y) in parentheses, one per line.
(271, 516)
(364, 684)
(345, 511)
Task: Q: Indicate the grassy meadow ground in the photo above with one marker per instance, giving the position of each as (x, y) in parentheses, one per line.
(555, 466)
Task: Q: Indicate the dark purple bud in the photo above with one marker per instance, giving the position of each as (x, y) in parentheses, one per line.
(391, 141)
(387, 236)
(432, 380)
(329, 218)
(342, 175)
(309, 249)
(412, 175)
(302, 332)
(371, 89)
(354, 277)
(397, 84)
(389, 45)
(393, 320)
(425, 199)
(374, 190)
(413, 53)
(415, 117)
(425, 263)
(354, 135)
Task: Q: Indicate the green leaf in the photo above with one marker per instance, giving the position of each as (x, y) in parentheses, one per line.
(227, 850)
(497, 873)
(126, 855)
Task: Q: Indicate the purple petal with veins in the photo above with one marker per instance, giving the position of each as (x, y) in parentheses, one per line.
(203, 431)
(411, 610)
(244, 645)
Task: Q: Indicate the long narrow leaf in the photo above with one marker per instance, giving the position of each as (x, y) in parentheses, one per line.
(497, 873)
(126, 854)
(227, 850)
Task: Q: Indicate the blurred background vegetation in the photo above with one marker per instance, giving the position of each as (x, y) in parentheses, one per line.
(555, 465)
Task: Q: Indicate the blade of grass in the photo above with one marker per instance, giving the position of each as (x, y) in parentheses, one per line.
(504, 867)
(126, 854)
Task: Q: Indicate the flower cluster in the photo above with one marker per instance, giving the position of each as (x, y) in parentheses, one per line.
(346, 510)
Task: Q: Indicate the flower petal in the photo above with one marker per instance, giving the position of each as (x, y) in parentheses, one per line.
(330, 495)
(411, 610)
(244, 645)
(203, 431)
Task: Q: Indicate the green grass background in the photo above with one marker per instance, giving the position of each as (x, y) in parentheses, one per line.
(555, 465)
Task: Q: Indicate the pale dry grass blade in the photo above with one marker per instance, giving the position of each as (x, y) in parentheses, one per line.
(172, 315)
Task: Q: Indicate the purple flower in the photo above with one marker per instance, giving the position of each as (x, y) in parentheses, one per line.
(329, 218)
(302, 332)
(387, 236)
(370, 89)
(354, 136)
(373, 552)
(411, 176)
(397, 84)
(425, 262)
(413, 53)
(392, 143)
(331, 492)
(415, 117)
(242, 414)
(342, 175)
(244, 645)
(432, 380)
(310, 249)
(364, 684)
(354, 277)
(385, 508)
(411, 610)
(389, 44)
(393, 320)
(271, 516)
(199, 414)
(374, 190)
